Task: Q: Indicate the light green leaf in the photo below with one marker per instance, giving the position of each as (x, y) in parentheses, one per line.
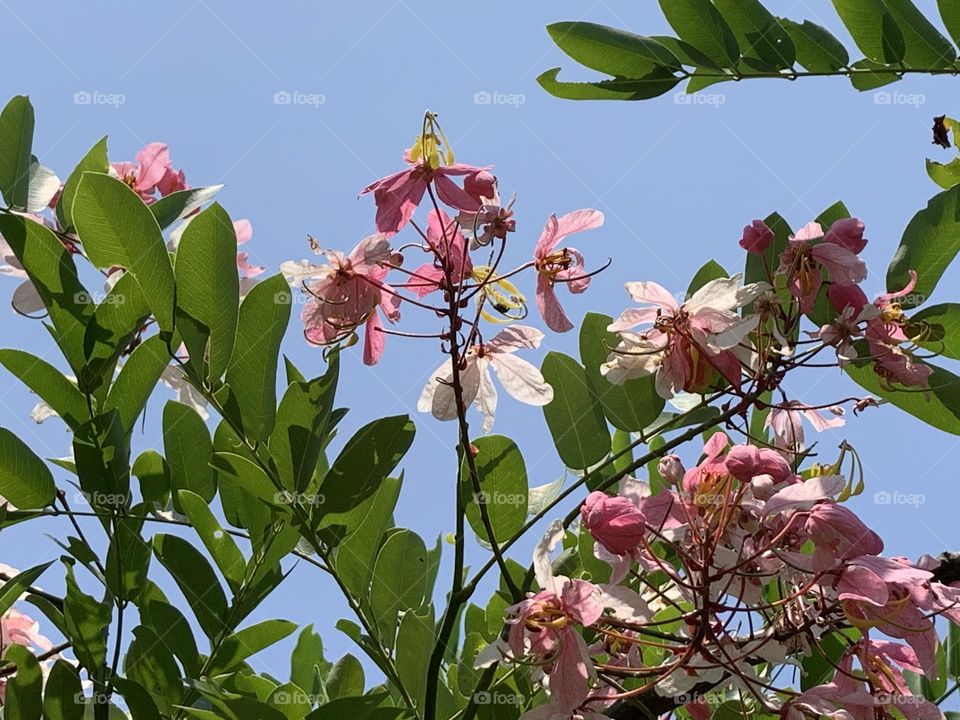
(25, 481)
(415, 641)
(249, 641)
(873, 28)
(62, 690)
(12, 589)
(399, 581)
(137, 379)
(357, 551)
(502, 474)
(16, 145)
(94, 161)
(116, 228)
(575, 417)
(218, 542)
(946, 175)
(87, 623)
(930, 243)
(23, 699)
(252, 372)
(699, 23)
(151, 666)
(49, 383)
(189, 449)
(346, 678)
(817, 49)
(178, 205)
(711, 270)
(208, 288)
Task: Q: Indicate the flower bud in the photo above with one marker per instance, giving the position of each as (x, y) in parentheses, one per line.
(671, 469)
(615, 522)
(480, 185)
(756, 237)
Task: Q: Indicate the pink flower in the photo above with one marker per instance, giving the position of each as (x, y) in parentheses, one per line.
(756, 237)
(748, 462)
(786, 422)
(615, 522)
(690, 345)
(712, 469)
(519, 378)
(481, 186)
(671, 469)
(348, 292)
(151, 173)
(847, 232)
(838, 534)
(450, 248)
(244, 232)
(803, 263)
(564, 265)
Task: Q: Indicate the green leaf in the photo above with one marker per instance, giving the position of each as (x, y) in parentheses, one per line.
(137, 379)
(116, 228)
(574, 417)
(49, 383)
(94, 161)
(23, 699)
(219, 543)
(346, 678)
(652, 85)
(925, 46)
(399, 581)
(13, 588)
(611, 51)
(307, 662)
(208, 288)
(363, 530)
(196, 581)
(945, 320)
(102, 452)
(189, 450)
(817, 48)
(869, 75)
(178, 205)
(699, 23)
(950, 12)
(302, 427)
(711, 270)
(759, 35)
(113, 327)
(87, 622)
(150, 665)
(16, 145)
(138, 699)
(631, 406)
(946, 175)
(63, 689)
(502, 474)
(175, 633)
(238, 647)
(940, 407)
(873, 28)
(25, 481)
(363, 464)
(252, 372)
(415, 641)
(128, 558)
(52, 271)
(930, 243)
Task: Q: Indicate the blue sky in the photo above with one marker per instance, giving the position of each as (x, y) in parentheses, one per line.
(676, 179)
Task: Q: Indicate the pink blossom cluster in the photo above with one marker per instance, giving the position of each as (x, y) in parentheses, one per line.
(455, 275)
(738, 568)
(18, 629)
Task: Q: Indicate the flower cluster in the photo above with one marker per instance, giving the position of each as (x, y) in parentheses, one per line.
(19, 629)
(456, 276)
(737, 568)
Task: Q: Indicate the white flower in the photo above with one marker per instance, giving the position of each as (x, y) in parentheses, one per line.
(519, 378)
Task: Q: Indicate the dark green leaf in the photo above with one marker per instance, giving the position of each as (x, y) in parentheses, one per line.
(23, 699)
(346, 678)
(944, 329)
(759, 35)
(699, 23)
(238, 647)
(63, 690)
(399, 581)
(150, 665)
(112, 329)
(817, 49)
(87, 622)
(611, 51)
(869, 75)
(189, 450)
(219, 543)
(356, 552)
(102, 451)
(137, 379)
(128, 558)
(12, 589)
(94, 161)
(574, 417)
(415, 641)
(196, 581)
(950, 12)
(873, 28)
(652, 85)
(711, 270)
(925, 47)
(16, 145)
